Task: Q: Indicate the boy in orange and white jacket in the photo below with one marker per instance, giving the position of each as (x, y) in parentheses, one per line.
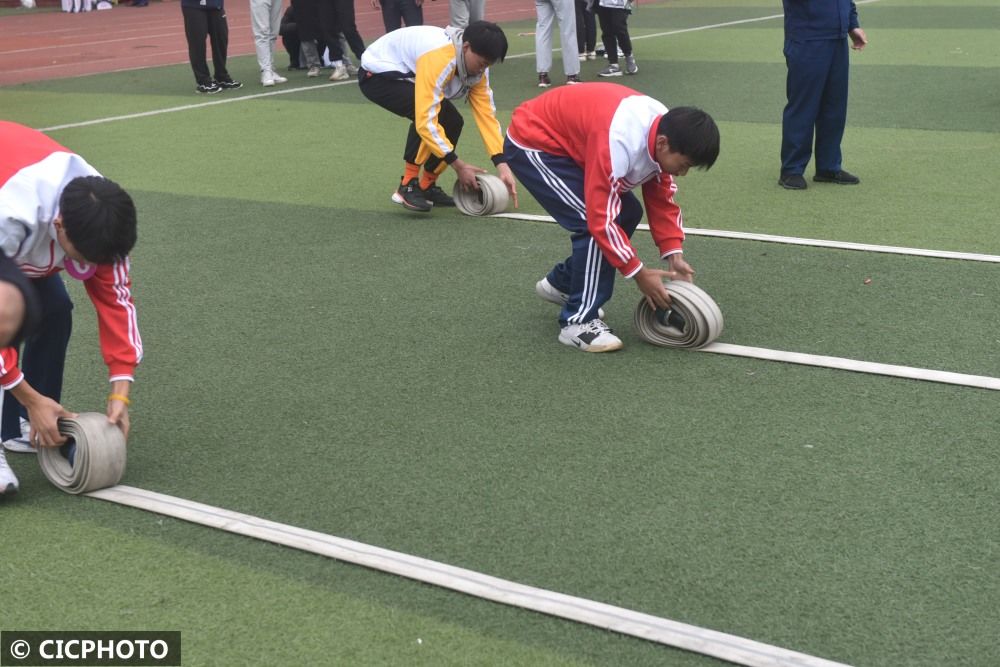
(415, 72)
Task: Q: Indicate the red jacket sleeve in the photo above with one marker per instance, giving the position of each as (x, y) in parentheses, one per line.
(666, 223)
(10, 374)
(110, 289)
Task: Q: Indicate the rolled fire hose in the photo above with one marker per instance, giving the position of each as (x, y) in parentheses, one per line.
(693, 320)
(490, 198)
(99, 461)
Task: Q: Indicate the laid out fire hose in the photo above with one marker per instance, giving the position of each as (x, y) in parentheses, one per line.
(693, 320)
(491, 197)
(99, 461)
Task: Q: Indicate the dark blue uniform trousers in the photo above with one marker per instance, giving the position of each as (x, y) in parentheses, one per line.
(557, 183)
(44, 354)
(817, 98)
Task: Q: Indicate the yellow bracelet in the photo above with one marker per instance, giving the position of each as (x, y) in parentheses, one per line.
(119, 397)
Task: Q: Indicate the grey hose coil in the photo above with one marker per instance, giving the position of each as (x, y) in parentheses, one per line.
(491, 197)
(100, 455)
(694, 319)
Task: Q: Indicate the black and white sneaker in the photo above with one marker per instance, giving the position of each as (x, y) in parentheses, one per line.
(438, 197)
(209, 88)
(229, 84)
(592, 336)
(409, 195)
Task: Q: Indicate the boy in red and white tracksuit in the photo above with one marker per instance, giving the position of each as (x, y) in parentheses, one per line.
(57, 213)
(581, 150)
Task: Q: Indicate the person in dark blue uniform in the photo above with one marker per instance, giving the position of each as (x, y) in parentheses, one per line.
(816, 54)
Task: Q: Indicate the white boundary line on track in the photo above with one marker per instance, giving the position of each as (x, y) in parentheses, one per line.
(618, 619)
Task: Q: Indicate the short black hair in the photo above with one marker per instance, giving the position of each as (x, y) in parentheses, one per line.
(487, 40)
(99, 218)
(692, 133)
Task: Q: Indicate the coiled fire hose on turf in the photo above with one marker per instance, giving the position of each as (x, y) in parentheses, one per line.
(694, 319)
(100, 455)
(490, 198)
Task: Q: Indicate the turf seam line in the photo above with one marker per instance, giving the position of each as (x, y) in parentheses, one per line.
(793, 240)
(735, 649)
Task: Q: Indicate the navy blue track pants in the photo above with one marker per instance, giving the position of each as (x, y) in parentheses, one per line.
(557, 183)
(44, 354)
(816, 88)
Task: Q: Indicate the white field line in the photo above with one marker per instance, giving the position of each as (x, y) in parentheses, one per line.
(197, 105)
(735, 649)
(793, 240)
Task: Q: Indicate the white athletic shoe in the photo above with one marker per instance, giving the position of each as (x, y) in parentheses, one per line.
(546, 291)
(22, 444)
(267, 78)
(339, 73)
(592, 336)
(278, 78)
(8, 480)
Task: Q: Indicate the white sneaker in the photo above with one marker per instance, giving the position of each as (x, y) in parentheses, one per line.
(8, 480)
(352, 70)
(22, 444)
(313, 72)
(267, 78)
(546, 291)
(278, 78)
(592, 336)
(339, 73)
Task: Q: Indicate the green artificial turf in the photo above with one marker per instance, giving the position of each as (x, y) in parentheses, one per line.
(319, 357)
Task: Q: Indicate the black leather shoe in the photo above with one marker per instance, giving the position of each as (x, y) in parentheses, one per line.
(792, 181)
(839, 177)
